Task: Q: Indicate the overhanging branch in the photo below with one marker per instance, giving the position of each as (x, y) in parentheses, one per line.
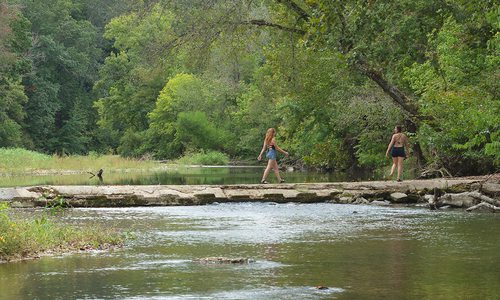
(394, 92)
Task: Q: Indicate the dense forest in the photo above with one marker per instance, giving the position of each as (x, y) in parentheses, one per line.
(168, 77)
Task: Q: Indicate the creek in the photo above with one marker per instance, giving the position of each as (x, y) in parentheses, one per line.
(357, 251)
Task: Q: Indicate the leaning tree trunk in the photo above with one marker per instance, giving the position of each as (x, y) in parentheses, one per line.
(401, 100)
(417, 150)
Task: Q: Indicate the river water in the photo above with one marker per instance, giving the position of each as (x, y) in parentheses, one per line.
(178, 175)
(357, 251)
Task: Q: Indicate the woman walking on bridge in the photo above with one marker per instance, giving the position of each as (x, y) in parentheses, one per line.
(272, 147)
(397, 149)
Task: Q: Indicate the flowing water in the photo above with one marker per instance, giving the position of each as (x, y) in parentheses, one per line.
(357, 251)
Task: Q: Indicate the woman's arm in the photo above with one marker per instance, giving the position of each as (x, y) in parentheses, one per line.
(279, 149)
(390, 146)
(262, 151)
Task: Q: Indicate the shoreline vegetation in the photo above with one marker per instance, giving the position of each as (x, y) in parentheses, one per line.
(18, 161)
(24, 239)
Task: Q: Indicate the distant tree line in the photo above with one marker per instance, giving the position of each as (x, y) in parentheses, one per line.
(167, 77)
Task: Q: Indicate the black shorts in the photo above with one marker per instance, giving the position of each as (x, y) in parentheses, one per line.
(398, 152)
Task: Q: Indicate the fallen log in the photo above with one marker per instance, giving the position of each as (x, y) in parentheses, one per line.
(479, 196)
(465, 199)
(483, 206)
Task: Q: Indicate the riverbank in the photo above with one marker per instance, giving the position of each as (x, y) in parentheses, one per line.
(433, 192)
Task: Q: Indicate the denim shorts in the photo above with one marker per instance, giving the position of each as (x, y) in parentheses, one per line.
(271, 154)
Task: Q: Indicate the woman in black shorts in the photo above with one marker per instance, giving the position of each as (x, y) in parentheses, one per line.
(397, 149)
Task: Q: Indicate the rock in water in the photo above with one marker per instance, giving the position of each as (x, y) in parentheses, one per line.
(224, 260)
(381, 203)
(399, 197)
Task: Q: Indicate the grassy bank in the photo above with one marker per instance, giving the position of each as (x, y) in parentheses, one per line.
(16, 161)
(24, 239)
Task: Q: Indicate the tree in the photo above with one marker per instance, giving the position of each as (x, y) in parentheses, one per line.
(65, 58)
(14, 43)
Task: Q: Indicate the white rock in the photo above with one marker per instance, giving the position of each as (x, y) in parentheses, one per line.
(399, 197)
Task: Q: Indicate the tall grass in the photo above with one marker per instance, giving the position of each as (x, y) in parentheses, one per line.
(16, 160)
(29, 238)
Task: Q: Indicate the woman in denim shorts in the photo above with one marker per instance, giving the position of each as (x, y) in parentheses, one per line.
(272, 147)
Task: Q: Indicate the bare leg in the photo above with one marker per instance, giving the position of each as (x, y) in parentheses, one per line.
(393, 168)
(267, 170)
(400, 167)
(276, 170)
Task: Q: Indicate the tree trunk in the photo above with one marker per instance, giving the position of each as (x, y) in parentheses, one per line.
(417, 150)
(401, 100)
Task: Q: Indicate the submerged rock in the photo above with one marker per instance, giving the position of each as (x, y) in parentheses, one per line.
(345, 200)
(224, 260)
(381, 203)
(361, 200)
(457, 200)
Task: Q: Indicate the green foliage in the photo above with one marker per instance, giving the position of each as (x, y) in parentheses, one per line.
(65, 57)
(209, 158)
(57, 205)
(175, 77)
(133, 74)
(177, 122)
(130, 144)
(195, 131)
(465, 113)
(14, 43)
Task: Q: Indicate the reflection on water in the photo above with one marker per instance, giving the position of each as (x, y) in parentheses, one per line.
(176, 175)
(375, 253)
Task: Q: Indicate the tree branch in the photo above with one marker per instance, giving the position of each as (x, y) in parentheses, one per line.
(393, 91)
(274, 25)
(297, 9)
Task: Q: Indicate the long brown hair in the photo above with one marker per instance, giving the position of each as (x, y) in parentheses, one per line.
(269, 136)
